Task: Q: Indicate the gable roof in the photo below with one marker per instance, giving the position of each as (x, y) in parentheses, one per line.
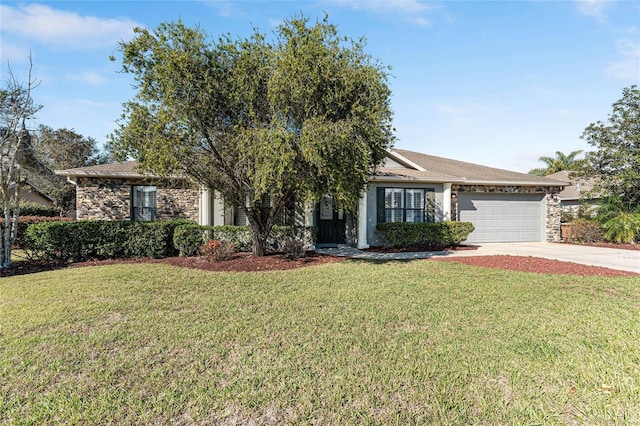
(126, 169)
(577, 186)
(403, 165)
(461, 172)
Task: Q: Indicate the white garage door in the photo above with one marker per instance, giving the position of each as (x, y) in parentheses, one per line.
(502, 217)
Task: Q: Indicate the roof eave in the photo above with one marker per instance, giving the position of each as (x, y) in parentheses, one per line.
(398, 178)
(116, 175)
(514, 183)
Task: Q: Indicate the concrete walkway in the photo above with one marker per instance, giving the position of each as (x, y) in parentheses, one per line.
(625, 260)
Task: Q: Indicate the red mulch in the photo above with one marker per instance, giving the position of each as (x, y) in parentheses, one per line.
(241, 262)
(537, 265)
(246, 262)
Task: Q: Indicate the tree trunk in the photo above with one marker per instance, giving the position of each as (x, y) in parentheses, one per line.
(5, 256)
(259, 241)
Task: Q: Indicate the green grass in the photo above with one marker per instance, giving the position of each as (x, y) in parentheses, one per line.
(420, 342)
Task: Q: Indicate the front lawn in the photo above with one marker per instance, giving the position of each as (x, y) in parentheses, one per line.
(343, 343)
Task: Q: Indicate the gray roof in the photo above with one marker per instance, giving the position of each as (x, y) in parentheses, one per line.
(417, 167)
(470, 173)
(575, 189)
(125, 169)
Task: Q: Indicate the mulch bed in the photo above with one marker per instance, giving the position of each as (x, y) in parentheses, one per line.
(537, 265)
(241, 262)
(246, 262)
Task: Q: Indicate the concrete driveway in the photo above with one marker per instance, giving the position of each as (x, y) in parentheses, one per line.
(625, 260)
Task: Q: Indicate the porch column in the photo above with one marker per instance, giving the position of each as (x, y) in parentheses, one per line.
(218, 209)
(362, 221)
(308, 214)
(446, 202)
(204, 216)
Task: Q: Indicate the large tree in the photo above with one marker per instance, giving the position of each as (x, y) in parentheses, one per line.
(16, 154)
(63, 149)
(262, 122)
(615, 161)
(558, 163)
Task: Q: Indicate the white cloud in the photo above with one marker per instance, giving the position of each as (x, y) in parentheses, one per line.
(89, 77)
(61, 28)
(413, 11)
(593, 8)
(628, 67)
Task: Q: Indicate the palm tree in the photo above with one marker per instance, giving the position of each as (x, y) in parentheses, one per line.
(562, 161)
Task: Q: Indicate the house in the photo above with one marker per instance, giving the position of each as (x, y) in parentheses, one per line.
(573, 199)
(29, 192)
(504, 206)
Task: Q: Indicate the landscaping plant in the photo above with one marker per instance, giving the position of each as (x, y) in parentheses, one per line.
(214, 250)
(623, 228)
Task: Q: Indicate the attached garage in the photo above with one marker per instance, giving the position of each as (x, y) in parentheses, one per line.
(503, 217)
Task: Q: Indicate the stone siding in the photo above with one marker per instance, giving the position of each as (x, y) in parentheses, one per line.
(554, 210)
(110, 199)
(178, 203)
(552, 202)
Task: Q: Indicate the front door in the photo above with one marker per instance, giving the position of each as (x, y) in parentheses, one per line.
(331, 223)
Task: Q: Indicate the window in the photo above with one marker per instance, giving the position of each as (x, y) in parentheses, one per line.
(406, 205)
(144, 203)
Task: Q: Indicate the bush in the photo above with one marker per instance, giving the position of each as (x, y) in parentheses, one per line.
(585, 231)
(293, 241)
(623, 228)
(188, 238)
(240, 236)
(84, 240)
(436, 234)
(217, 250)
(25, 221)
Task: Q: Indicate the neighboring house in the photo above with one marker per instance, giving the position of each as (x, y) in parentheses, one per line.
(504, 206)
(30, 193)
(573, 202)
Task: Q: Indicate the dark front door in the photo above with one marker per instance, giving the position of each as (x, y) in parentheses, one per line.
(331, 229)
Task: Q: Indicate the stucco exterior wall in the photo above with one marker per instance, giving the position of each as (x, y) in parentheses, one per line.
(110, 199)
(374, 238)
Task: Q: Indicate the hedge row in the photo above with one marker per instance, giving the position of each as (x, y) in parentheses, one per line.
(25, 221)
(433, 234)
(188, 238)
(86, 240)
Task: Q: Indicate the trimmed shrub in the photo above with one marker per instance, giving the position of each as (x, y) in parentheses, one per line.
(240, 236)
(188, 238)
(25, 221)
(431, 234)
(84, 240)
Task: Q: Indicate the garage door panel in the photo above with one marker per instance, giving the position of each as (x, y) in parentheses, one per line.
(502, 217)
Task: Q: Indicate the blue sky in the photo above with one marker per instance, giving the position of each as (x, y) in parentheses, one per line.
(495, 83)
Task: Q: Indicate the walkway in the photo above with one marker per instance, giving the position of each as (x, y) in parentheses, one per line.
(625, 260)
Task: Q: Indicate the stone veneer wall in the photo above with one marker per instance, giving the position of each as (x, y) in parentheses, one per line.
(110, 199)
(552, 202)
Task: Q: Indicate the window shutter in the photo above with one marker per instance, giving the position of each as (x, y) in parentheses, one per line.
(380, 205)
